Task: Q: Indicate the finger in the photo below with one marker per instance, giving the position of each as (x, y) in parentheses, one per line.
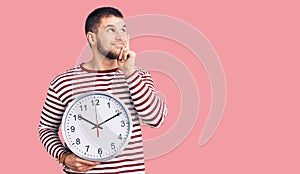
(131, 54)
(84, 168)
(90, 168)
(125, 54)
(86, 162)
(120, 54)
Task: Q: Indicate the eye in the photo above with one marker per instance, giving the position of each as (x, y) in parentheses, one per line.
(110, 30)
(123, 30)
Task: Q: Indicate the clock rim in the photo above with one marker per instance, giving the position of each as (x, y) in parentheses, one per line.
(72, 103)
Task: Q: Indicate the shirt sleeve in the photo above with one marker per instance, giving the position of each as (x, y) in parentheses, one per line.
(50, 121)
(150, 107)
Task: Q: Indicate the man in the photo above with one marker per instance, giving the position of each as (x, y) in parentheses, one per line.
(112, 70)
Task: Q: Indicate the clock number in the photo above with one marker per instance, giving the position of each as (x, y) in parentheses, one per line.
(79, 117)
(95, 102)
(120, 137)
(112, 145)
(100, 151)
(108, 104)
(87, 148)
(77, 141)
(74, 117)
(122, 123)
(83, 107)
(72, 129)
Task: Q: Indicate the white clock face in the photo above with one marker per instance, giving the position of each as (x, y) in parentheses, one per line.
(96, 126)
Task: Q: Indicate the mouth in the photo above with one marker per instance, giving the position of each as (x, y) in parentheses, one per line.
(119, 44)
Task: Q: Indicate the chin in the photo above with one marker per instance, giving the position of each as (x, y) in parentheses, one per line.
(112, 55)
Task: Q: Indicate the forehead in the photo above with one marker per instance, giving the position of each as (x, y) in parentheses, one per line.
(112, 21)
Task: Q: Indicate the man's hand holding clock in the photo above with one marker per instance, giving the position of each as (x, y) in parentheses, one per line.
(78, 164)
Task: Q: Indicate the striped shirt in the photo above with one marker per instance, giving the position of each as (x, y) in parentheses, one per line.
(136, 91)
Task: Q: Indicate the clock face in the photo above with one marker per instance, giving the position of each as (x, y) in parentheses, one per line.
(96, 126)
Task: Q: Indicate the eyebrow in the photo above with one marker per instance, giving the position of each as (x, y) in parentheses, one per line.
(111, 25)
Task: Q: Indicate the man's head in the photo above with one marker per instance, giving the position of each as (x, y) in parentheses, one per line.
(93, 20)
(106, 31)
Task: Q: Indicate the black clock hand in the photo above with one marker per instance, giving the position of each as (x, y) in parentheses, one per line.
(82, 118)
(109, 118)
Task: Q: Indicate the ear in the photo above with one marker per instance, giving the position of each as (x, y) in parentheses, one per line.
(91, 37)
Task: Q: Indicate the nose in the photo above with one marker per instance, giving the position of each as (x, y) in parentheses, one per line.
(119, 35)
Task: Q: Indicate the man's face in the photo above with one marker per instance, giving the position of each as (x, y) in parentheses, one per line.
(111, 37)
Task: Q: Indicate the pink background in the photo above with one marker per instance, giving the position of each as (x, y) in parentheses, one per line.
(257, 43)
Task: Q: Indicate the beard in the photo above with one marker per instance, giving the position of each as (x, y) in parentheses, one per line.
(112, 54)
